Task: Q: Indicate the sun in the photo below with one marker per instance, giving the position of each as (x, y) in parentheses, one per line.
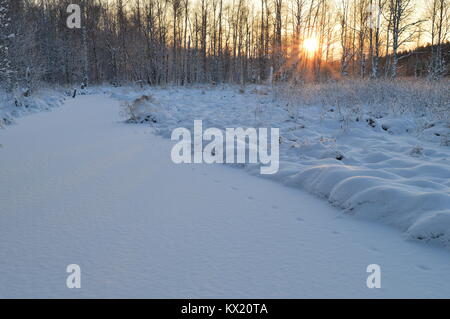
(310, 45)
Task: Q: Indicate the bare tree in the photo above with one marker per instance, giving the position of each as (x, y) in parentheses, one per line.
(438, 17)
(6, 37)
(346, 54)
(401, 13)
(180, 41)
(376, 12)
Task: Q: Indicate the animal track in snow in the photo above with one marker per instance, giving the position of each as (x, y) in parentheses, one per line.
(423, 267)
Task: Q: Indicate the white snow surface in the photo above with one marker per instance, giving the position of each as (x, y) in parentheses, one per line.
(13, 106)
(394, 167)
(80, 186)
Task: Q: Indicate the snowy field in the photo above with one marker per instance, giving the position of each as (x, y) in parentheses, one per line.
(225, 149)
(385, 163)
(79, 185)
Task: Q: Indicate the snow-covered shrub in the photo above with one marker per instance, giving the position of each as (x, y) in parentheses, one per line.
(260, 90)
(144, 109)
(380, 97)
(16, 104)
(138, 109)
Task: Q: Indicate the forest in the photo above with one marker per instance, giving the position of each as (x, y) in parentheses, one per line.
(159, 42)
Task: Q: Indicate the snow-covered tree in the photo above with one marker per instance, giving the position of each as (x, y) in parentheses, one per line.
(6, 70)
(183, 41)
(439, 17)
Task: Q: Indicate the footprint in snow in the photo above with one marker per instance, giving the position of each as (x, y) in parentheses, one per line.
(251, 198)
(275, 207)
(335, 232)
(216, 181)
(234, 188)
(300, 219)
(423, 267)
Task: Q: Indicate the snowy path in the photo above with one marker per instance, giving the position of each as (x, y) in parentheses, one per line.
(78, 186)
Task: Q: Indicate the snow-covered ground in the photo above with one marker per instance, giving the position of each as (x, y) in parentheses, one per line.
(80, 186)
(13, 106)
(376, 162)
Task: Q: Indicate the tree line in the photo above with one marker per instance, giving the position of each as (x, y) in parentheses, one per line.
(179, 42)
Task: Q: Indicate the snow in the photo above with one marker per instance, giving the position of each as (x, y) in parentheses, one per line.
(389, 166)
(16, 105)
(80, 186)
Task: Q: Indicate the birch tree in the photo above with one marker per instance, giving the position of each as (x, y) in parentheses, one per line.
(401, 13)
(439, 17)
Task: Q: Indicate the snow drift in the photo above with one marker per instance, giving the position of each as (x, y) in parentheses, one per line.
(14, 106)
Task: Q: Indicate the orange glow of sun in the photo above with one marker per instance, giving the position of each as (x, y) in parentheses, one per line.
(311, 45)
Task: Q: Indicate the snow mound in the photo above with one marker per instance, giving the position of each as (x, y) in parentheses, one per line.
(140, 110)
(12, 107)
(432, 227)
(373, 194)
